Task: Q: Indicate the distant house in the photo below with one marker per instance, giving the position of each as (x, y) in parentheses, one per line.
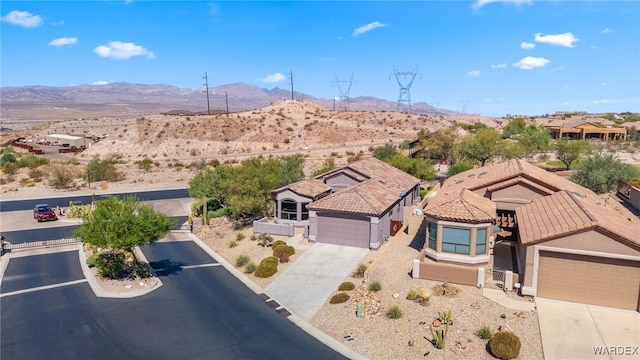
(68, 140)
(360, 204)
(593, 129)
(519, 224)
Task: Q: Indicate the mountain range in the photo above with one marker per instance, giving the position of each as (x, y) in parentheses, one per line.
(124, 98)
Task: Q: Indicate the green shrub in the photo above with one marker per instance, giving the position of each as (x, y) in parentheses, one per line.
(250, 267)
(239, 236)
(412, 295)
(278, 243)
(79, 211)
(233, 244)
(61, 177)
(242, 260)
(7, 157)
(110, 264)
(282, 247)
(270, 260)
(102, 170)
(253, 237)
(141, 269)
(265, 270)
(505, 345)
(360, 270)
(145, 164)
(92, 260)
(32, 161)
(394, 312)
(484, 333)
(375, 286)
(264, 239)
(347, 286)
(339, 298)
(10, 168)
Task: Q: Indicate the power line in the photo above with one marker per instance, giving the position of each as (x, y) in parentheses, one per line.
(405, 80)
(344, 91)
(291, 78)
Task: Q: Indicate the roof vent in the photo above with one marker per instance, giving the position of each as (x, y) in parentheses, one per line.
(576, 193)
(482, 173)
(459, 181)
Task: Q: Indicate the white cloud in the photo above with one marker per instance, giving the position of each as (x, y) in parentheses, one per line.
(63, 41)
(499, 66)
(23, 18)
(366, 28)
(122, 51)
(604, 101)
(605, 84)
(273, 78)
(100, 82)
(565, 39)
(480, 3)
(530, 62)
(527, 45)
(606, 31)
(474, 73)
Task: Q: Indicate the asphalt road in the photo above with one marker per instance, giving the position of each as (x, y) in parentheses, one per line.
(200, 312)
(17, 205)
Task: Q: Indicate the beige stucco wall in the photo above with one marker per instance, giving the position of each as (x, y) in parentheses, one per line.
(634, 197)
(340, 181)
(511, 197)
(587, 241)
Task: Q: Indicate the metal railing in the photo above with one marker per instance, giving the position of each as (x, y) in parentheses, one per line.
(35, 244)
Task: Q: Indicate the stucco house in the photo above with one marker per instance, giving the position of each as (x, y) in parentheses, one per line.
(589, 129)
(537, 231)
(360, 204)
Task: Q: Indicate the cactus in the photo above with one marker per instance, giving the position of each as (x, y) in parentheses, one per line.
(440, 336)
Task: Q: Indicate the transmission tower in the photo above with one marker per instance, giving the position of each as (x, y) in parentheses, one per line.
(405, 79)
(206, 84)
(344, 90)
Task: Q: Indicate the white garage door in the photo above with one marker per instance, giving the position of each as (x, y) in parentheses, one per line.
(589, 280)
(343, 231)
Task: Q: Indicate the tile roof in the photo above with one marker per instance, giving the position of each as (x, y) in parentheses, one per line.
(570, 208)
(565, 212)
(467, 207)
(371, 197)
(381, 187)
(307, 187)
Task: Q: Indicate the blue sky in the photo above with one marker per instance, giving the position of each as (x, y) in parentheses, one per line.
(493, 57)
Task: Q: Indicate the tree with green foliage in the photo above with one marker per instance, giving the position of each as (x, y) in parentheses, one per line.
(481, 146)
(438, 144)
(569, 151)
(420, 168)
(385, 152)
(123, 224)
(534, 139)
(602, 172)
(458, 167)
(7, 157)
(291, 169)
(249, 187)
(514, 127)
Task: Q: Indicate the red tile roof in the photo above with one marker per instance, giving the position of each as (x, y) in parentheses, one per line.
(307, 187)
(468, 207)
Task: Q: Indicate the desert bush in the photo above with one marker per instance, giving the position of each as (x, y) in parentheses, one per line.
(445, 290)
(10, 168)
(140, 269)
(32, 161)
(242, 260)
(505, 345)
(375, 286)
(79, 211)
(346, 286)
(264, 239)
(282, 248)
(423, 296)
(253, 237)
(145, 164)
(233, 244)
(278, 243)
(339, 298)
(394, 312)
(265, 270)
(102, 170)
(7, 157)
(360, 270)
(36, 173)
(60, 177)
(250, 267)
(412, 295)
(92, 260)
(484, 333)
(110, 264)
(239, 236)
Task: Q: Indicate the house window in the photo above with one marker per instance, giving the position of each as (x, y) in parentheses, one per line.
(289, 210)
(455, 240)
(305, 212)
(433, 233)
(481, 241)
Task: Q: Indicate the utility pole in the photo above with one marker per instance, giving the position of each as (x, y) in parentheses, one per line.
(206, 84)
(226, 100)
(291, 77)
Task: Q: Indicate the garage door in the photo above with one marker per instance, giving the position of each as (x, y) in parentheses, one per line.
(589, 280)
(343, 231)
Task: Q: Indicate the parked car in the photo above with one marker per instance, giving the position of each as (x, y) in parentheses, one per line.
(44, 212)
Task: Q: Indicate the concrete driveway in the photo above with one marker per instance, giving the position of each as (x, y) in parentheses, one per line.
(580, 331)
(310, 280)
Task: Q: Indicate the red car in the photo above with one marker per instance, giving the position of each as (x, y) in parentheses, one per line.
(43, 212)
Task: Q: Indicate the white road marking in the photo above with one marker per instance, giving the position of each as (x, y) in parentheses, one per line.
(46, 287)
